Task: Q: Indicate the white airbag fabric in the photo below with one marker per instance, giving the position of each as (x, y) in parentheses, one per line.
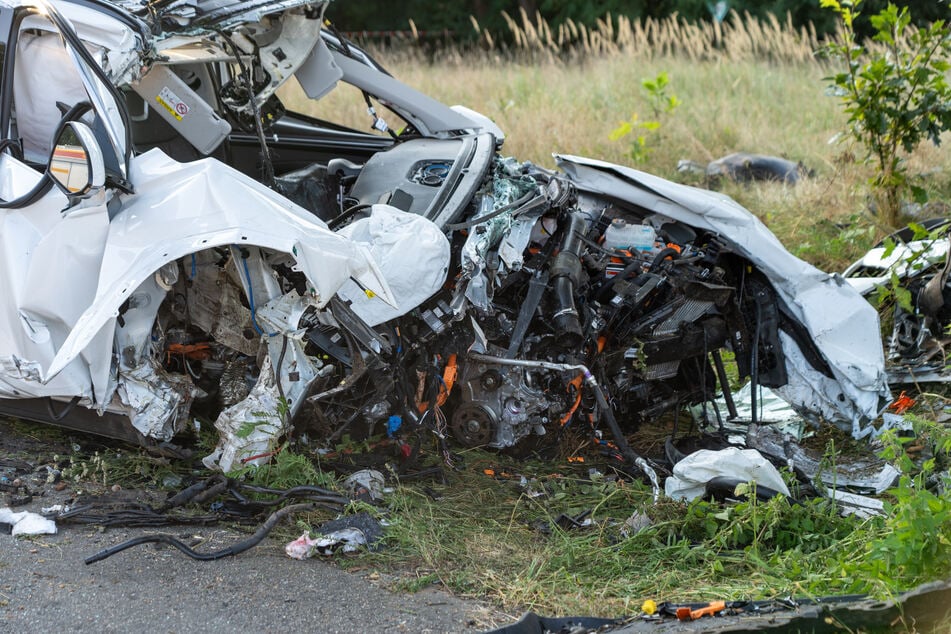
(693, 472)
(412, 253)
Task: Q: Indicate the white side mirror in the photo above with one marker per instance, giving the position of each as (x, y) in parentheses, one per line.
(76, 165)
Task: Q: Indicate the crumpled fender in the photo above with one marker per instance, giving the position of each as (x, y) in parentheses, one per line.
(841, 323)
(181, 208)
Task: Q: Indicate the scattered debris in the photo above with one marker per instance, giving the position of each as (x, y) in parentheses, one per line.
(347, 534)
(366, 485)
(862, 473)
(27, 523)
(635, 523)
(915, 258)
(692, 474)
(235, 549)
(925, 609)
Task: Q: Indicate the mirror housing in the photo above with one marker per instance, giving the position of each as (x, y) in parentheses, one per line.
(76, 165)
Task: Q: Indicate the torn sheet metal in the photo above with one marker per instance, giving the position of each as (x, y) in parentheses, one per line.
(876, 267)
(692, 473)
(159, 401)
(249, 429)
(863, 474)
(919, 339)
(859, 505)
(842, 325)
(770, 408)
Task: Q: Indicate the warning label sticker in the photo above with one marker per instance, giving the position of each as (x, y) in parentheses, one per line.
(170, 101)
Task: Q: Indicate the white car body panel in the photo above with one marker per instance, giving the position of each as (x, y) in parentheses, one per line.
(842, 324)
(221, 207)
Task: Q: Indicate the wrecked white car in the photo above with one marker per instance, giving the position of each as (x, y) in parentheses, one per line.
(178, 245)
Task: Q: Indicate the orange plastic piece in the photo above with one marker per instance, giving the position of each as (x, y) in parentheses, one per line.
(449, 374)
(575, 458)
(902, 404)
(576, 383)
(199, 351)
(711, 609)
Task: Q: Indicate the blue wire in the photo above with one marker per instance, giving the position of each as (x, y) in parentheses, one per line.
(194, 267)
(254, 321)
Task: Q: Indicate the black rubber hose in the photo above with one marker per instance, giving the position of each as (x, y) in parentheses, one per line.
(236, 549)
(565, 273)
(604, 291)
(724, 487)
(664, 253)
(304, 489)
(629, 454)
(185, 495)
(348, 213)
(515, 204)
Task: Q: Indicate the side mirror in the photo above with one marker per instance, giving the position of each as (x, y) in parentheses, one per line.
(76, 165)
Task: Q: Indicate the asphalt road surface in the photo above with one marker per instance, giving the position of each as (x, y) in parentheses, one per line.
(46, 587)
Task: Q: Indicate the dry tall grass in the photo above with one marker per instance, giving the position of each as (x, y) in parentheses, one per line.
(745, 86)
(741, 37)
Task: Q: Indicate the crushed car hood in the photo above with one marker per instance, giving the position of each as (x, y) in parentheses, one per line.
(841, 323)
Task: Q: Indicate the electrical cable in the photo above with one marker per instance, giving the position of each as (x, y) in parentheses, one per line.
(666, 252)
(267, 165)
(493, 214)
(754, 365)
(346, 214)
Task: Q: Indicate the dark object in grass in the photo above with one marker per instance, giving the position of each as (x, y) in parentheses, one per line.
(743, 167)
(564, 522)
(364, 522)
(723, 488)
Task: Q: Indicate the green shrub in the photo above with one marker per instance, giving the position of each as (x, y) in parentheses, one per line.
(896, 94)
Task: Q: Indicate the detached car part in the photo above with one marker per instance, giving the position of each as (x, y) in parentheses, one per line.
(918, 260)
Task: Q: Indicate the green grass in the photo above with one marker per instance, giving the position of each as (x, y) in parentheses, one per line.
(480, 538)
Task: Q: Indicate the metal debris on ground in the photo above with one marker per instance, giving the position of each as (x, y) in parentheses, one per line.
(346, 534)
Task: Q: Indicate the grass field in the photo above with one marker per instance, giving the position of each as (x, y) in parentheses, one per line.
(752, 88)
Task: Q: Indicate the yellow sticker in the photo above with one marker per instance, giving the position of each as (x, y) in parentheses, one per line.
(171, 102)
